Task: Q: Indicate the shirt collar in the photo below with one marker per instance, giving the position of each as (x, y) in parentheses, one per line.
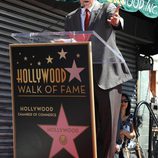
(90, 9)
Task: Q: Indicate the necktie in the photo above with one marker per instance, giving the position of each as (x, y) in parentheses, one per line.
(87, 18)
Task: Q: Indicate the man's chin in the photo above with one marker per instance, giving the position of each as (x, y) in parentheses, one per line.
(86, 4)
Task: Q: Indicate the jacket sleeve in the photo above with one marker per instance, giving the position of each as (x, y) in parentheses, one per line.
(66, 27)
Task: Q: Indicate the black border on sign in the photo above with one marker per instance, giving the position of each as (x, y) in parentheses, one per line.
(91, 90)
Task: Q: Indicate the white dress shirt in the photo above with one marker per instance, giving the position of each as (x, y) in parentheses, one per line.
(83, 15)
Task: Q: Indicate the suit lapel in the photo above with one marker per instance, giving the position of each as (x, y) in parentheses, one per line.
(94, 14)
(78, 23)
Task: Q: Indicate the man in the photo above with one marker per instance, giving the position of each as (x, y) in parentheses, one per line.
(109, 74)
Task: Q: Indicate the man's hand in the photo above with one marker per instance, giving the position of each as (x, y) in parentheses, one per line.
(115, 18)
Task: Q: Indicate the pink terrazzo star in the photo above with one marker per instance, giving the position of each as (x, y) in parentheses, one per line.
(63, 135)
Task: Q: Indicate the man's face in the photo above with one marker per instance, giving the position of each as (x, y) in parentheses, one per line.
(86, 3)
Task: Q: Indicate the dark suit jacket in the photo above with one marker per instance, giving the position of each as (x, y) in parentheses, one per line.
(112, 70)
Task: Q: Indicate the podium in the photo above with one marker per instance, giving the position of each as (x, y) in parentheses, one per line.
(98, 44)
(52, 93)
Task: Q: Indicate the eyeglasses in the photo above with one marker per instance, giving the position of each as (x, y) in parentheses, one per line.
(124, 101)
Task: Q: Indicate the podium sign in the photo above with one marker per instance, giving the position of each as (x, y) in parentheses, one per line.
(53, 102)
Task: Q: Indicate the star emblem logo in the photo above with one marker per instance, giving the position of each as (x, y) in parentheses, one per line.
(62, 54)
(63, 135)
(49, 59)
(74, 71)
